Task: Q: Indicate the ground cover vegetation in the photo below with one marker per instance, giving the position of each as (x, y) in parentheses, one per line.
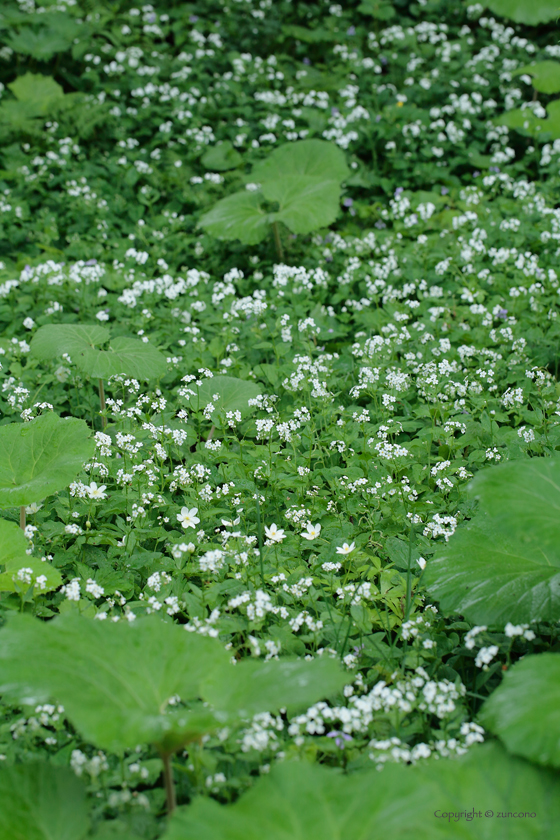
(279, 471)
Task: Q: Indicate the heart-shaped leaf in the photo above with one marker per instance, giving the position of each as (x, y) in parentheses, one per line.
(41, 802)
(239, 216)
(41, 457)
(524, 711)
(505, 564)
(232, 394)
(128, 356)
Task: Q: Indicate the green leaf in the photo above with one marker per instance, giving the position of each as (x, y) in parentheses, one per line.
(254, 686)
(505, 565)
(41, 802)
(308, 36)
(41, 457)
(38, 573)
(239, 216)
(545, 75)
(380, 9)
(300, 801)
(304, 205)
(114, 680)
(233, 394)
(13, 543)
(222, 157)
(37, 89)
(129, 356)
(41, 45)
(532, 12)
(524, 711)
(303, 159)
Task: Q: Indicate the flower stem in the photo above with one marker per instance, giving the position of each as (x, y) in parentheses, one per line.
(170, 796)
(22, 517)
(102, 401)
(277, 241)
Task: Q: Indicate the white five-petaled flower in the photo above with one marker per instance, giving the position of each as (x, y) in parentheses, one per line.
(345, 548)
(188, 518)
(273, 533)
(311, 531)
(95, 492)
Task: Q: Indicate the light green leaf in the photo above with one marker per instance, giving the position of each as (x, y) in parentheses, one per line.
(41, 45)
(41, 802)
(545, 75)
(254, 686)
(233, 394)
(41, 457)
(491, 580)
(304, 159)
(526, 121)
(304, 206)
(505, 564)
(532, 12)
(239, 216)
(380, 9)
(37, 89)
(114, 680)
(129, 356)
(524, 711)
(20, 575)
(13, 543)
(221, 157)
(300, 801)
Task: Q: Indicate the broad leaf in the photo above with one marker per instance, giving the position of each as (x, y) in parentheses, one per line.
(305, 205)
(21, 575)
(254, 686)
(545, 75)
(532, 12)
(35, 88)
(41, 45)
(300, 801)
(129, 356)
(232, 394)
(525, 710)
(239, 216)
(305, 159)
(114, 680)
(41, 457)
(505, 565)
(41, 802)
(222, 157)
(526, 122)
(491, 580)
(13, 543)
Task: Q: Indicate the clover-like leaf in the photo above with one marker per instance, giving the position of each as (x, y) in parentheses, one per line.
(41, 457)
(40, 801)
(306, 801)
(532, 12)
(524, 711)
(505, 564)
(545, 75)
(232, 394)
(129, 356)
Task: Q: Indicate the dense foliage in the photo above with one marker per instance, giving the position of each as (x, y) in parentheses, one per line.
(279, 471)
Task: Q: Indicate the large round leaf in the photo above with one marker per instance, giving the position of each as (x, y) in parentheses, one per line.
(41, 457)
(40, 801)
(305, 203)
(545, 75)
(128, 356)
(232, 394)
(525, 710)
(239, 216)
(532, 12)
(303, 159)
(301, 801)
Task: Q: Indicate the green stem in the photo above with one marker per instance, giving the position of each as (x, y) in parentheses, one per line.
(277, 242)
(259, 535)
(170, 796)
(22, 517)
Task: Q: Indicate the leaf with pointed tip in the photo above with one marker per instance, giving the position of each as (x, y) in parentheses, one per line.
(233, 394)
(254, 686)
(41, 457)
(532, 12)
(114, 680)
(239, 216)
(524, 711)
(40, 801)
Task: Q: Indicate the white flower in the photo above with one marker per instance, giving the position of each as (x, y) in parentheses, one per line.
(273, 533)
(422, 563)
(33, 507)
(188, 518)
(311, 531)
(345, 548)
(95, 492)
